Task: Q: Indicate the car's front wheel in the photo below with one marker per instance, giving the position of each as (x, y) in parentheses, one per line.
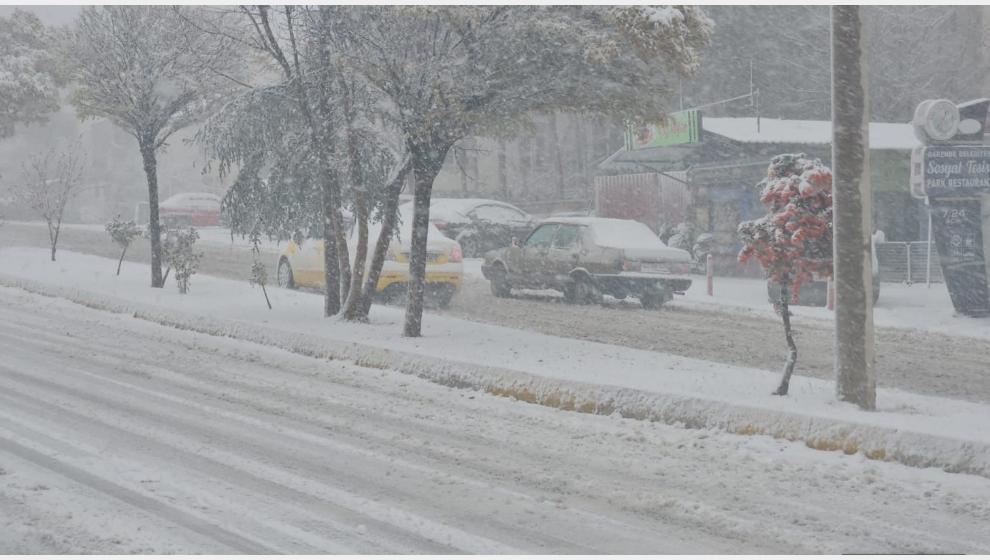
(470, 247)
(284, 275)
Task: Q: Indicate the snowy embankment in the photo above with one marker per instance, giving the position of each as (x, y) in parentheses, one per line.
(565, 373)
(215, 236)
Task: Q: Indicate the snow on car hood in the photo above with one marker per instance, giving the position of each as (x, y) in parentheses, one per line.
(452, 211)
(635, 240)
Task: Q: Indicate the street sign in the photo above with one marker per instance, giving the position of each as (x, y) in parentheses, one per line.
(956, 170)
(959, 237)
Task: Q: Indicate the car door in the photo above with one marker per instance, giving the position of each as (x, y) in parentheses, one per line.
(307, 266)
(528, 263)
(565, 251)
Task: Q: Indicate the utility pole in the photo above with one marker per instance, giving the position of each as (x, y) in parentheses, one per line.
(852, 198)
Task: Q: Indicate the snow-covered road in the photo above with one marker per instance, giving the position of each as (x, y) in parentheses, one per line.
(121, 436)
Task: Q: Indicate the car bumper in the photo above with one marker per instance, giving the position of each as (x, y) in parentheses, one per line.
(639, 282)
(394, 274)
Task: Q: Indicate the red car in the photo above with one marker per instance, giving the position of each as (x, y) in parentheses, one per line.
(196, 209)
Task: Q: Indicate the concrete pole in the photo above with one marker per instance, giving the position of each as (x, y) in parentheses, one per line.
(852, 195)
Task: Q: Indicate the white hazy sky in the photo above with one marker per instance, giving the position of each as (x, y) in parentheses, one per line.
(49, 15)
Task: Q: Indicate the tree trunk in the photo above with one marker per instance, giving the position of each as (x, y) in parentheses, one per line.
(389, 218)
(343, 259)
(268, 301)
(426, 166)
(558, 159)
(147, 145)
(353, 305)
(121, 260)
(331, 264)
(785, 300)
(53, 237)
(503, 183)
(581, 149)
(854, 349)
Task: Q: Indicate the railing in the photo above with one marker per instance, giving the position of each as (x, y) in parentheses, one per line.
(907, 262)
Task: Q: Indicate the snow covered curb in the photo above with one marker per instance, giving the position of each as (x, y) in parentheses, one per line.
(876, 442)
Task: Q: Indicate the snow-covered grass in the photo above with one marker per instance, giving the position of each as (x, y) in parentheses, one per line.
(900, 305)
(565, 373)
(216, 236)
(916, 307)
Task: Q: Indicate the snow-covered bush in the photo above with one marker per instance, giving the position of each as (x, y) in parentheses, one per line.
(122, 233)
(30, 75)
(180, 255)
(682, 237)
(793, 241)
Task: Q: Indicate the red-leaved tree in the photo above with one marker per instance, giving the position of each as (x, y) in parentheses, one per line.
(793, 241)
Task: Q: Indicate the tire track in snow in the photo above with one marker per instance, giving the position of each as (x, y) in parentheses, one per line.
(632, 485)
(197, 525)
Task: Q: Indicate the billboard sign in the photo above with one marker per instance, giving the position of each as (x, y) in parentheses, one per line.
(676, 129)
(956, 170)
(958, 232)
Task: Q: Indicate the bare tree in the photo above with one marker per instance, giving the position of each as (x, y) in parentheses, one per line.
(47, 184)
(296, 111)
(151, 74)
(450, 71)
(316, 140)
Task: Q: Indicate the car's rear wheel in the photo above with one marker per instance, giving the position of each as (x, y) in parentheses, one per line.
(284, 275)
(499, 282)
(582, 291)
(653, 300)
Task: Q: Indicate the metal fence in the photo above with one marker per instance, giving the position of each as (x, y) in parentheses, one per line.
(907, 262)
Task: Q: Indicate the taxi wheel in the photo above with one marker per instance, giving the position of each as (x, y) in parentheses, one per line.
(444, 297)
(284, 276)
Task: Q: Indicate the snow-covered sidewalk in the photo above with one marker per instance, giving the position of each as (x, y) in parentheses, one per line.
(566, 373)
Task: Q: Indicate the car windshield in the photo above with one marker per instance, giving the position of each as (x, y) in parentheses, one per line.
(403, 232)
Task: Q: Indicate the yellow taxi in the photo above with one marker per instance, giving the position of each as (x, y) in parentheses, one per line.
(300, 264)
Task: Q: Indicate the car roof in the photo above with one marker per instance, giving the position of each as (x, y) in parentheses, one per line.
(582, 220)
(446, 206)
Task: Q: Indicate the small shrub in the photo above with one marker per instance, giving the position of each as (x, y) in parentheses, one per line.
(122, 233)
(180, 256)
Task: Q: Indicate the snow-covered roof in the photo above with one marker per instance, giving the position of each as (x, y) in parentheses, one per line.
(583, 220)
(192, 200)
(883, 136)
(456, 209)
